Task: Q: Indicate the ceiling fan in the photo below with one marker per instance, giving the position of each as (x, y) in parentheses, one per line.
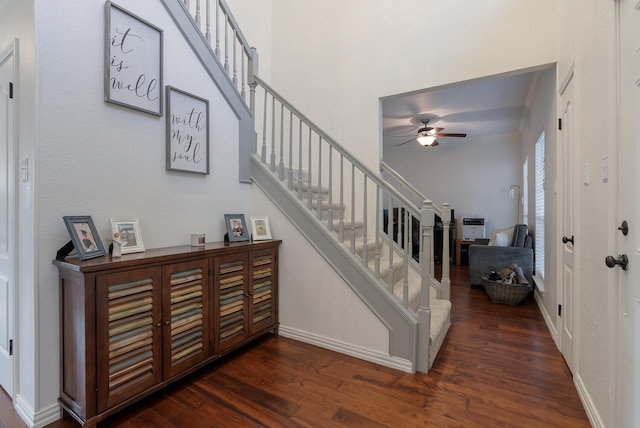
(427, 135)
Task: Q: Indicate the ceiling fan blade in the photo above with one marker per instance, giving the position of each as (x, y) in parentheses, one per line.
(408, 141)
(435, 143)
(445, 134)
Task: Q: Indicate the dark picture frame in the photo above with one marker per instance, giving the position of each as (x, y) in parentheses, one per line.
(236, 227)
(187, 132)
(84, 236)
(133, 61)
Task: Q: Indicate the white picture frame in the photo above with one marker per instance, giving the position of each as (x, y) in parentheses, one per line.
(260, 228)
(129, 233)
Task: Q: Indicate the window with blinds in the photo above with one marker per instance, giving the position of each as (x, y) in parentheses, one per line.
(525, 191)
(539, 183)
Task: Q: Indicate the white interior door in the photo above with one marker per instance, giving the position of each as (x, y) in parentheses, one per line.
(567, 279)
(7, 219)
(629, 209)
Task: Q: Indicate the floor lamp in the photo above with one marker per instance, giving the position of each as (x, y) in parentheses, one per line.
(514, 193)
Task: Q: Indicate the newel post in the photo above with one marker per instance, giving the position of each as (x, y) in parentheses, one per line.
(252, 71)
(424, 310)
(445, 291)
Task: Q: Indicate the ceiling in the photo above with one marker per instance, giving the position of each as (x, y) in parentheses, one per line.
(481, 108)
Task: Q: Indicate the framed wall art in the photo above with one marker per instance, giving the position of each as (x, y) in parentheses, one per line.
(133, 61)
(129, 234)
(236, 227)
(260, 228)
(84, 236)
(187, 132)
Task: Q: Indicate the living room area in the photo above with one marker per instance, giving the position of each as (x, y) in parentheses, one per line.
(484, 161)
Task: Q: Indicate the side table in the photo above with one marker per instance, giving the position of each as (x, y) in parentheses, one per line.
(459, 244)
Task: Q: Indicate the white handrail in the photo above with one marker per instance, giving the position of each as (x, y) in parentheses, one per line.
(318, 182)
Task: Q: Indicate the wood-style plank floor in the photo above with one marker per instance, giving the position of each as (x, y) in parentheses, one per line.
(498, 368)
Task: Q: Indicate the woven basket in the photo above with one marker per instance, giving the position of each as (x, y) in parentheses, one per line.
(501, 292)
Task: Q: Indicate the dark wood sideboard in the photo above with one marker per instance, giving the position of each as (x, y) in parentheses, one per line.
(131, 325)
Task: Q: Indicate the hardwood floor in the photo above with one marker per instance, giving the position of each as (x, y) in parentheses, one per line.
(498, 368)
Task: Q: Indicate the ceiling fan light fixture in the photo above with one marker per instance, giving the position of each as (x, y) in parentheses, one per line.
(425, 139)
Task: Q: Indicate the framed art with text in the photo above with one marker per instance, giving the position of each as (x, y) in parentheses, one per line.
(187, 132)
(133, 61)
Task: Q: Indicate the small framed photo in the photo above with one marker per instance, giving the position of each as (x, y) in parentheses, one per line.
(84, 236)
(260, 228)
(129, 233)
(236, 227)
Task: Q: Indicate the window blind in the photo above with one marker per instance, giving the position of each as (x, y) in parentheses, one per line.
(525, 191)
(539, 183)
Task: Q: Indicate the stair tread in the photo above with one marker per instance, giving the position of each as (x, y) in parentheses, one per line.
(347, 225)
(314, 188)
(325, 205)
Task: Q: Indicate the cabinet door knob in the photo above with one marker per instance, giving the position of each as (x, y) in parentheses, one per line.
(167, 322)
(159, 324)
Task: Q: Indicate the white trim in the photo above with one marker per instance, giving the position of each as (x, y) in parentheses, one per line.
(12, 50)
(44, 417)
(567, 79)
(547, 318)
(587, 403)
(370, 355)
(539, 282)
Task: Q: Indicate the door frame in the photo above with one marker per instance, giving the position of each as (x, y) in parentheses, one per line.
(568, 79)
(12, 50)
(617, 279)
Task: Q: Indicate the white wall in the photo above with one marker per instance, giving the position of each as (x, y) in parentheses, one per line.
(543, 117)
(588, 43)
(16, 21)
(314, 302)
(259, 32)
(341, 58)
(335, 60)
(473, 175)
(99, 159)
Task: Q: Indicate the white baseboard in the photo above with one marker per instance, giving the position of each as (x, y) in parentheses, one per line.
(40, 419)
(585, 398)
(548, 321)
(372, 356)
(587, 402)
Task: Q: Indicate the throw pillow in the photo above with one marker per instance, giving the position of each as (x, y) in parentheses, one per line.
(503, 239)
(494, 233)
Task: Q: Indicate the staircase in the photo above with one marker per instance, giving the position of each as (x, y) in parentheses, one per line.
(373, 235)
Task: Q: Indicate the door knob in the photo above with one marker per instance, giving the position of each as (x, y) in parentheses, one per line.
(622, 261)
(565, 239)
(624, 227)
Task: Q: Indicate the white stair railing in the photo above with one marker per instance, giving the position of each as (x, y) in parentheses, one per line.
(414, 195)
(348, 198)
(228, 44)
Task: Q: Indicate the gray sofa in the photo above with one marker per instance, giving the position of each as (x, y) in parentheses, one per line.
(486, 258)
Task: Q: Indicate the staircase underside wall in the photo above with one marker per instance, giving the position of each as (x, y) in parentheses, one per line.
(401, 322)
(219, 76)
